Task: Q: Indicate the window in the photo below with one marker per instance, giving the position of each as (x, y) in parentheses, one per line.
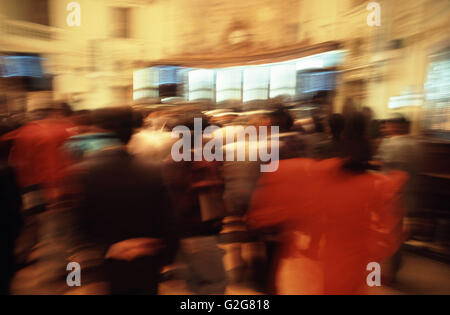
(148, 93)
(256, 83)
(282, 80)
(228, 85)
(201, 84)
(145, 83)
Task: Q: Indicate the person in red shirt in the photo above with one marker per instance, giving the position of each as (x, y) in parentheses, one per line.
(36, 153)
(39, 163)
(336, 216)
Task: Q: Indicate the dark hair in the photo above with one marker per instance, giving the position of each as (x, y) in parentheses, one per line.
(281, 117)
(119, 120)
(320, 98)
(356, 147)
(318, 124)
(66, 109)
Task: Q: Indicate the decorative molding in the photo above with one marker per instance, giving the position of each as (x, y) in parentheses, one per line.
(130, 3)
(244, 57)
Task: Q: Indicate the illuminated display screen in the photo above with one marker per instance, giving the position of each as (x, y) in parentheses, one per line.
(21, 66)
(438, 80)
(308, 82)
(244, 83)
(169, 75)
(437, 94)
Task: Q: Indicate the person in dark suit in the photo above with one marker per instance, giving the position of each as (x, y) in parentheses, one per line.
(123, 206)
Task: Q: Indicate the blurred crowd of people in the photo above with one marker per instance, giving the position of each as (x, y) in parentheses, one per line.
(101, 185)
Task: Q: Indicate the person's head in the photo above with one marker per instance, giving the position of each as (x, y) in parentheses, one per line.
(318, 123)
(118, 120)
(336, 123)
(65, 109)
(356, 147)
(281, 118)
(320, 98)
(398, 125)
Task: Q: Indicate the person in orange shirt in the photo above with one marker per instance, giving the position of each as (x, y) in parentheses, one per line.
(336, 216)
